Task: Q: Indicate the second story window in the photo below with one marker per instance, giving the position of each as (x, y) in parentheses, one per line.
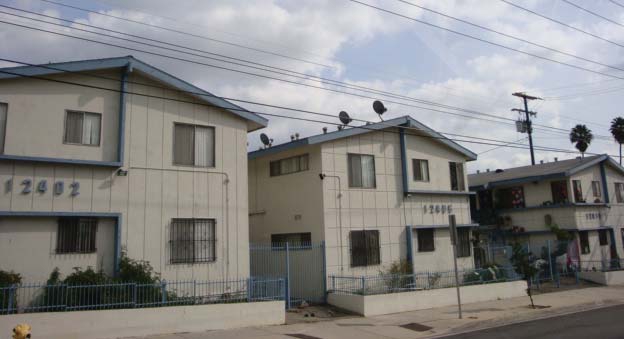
(559, 192)
(82, 128)
(193, 145)
(578, 191)
(596, 189)
(361, 171)
(457, 176)
(619, 192)
(421, 169)
(289, 165)
(512, 197)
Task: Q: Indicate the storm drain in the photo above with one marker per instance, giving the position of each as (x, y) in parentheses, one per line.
(356, 324)
(302, 336)
(416, 327)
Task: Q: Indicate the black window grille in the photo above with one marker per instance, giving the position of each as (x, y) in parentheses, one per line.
(463, 242)
(76, 235)
(425, 240)
(193, 241)
(364, 248)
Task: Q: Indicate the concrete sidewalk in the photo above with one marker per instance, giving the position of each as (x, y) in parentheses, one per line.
(443, 321)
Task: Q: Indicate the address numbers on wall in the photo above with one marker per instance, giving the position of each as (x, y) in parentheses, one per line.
(41, 186)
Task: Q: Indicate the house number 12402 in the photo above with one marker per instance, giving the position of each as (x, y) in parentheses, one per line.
(42, 187)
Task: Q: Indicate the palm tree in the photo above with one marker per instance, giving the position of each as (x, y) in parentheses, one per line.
(617, 130)
(581, 136)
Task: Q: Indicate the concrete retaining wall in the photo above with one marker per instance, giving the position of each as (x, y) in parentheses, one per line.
(147, 321)
(411, 301)
(604, 278)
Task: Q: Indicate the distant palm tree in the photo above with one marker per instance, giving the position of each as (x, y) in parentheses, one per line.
(581, 136)
(617, 130)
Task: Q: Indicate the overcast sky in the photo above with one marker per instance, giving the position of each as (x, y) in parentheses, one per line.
(345, 41)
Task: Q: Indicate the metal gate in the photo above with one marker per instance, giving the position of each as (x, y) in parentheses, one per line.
(302, 267)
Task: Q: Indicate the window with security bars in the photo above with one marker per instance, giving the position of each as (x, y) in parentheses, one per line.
(290, 165)
(463, 242)
(82, 128)
(76, 235)
(193, 241)
(193, 145)
(603, 237)
(364, 248)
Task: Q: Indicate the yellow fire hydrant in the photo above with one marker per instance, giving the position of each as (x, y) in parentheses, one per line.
(21, 331)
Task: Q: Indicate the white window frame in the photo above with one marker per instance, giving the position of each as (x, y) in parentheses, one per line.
(214, 146)
(350, 170)
(82, 143)
(425, 173)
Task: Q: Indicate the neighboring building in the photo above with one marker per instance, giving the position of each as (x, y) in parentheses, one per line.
(386, 194)
(584, 196)
(135, 160)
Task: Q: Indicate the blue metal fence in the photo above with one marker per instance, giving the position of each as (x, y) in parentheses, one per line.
(302, 266)
(394, 283)
(29, 298)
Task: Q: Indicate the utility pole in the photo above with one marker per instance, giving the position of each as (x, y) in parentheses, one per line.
(528, 114)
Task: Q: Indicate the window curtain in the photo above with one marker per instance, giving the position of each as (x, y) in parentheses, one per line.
(204, 146)
(460, 176)
(355, 167)
(183, 145)
(368, 171)
(91, 129)
(73, 127)
(3, 118)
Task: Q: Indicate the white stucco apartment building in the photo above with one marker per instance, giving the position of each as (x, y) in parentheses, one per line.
(113, 154)
(584, 196)
(386, 193)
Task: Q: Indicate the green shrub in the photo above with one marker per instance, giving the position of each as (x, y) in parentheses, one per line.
(7, 279)
(137, 271)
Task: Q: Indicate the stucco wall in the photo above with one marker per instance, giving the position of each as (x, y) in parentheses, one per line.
(604, 278)
(371, 305)
(384, 208)
(147, 321)
(154, 191)
(290, 203)
(28, 246)
(442, 258)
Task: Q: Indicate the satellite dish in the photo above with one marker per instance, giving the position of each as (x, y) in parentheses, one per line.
(344, 117)
(265, 139)
(379, 108)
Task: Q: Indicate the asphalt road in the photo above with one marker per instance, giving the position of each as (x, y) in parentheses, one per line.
(603, 323)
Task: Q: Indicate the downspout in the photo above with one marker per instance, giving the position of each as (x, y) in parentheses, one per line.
(322, 176)
(117, 246)
(403, 160)
(605, 187)
(125, 71)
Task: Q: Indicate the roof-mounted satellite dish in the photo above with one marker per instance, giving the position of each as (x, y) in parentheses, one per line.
(344, 118)
(265, 140)
(379, 108)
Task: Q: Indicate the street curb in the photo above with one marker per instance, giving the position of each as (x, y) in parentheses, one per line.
(546, 316)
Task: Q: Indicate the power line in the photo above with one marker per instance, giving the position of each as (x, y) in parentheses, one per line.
(540, 148)
(510, 36)
(592, 13)
(284, 80)
(616, 3)
(293, 82)
(562, 23)
(194, 35)
(498, 147)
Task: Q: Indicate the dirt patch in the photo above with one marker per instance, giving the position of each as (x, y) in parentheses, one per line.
(315, 314)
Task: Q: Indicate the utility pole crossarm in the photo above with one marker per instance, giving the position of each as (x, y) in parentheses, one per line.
(525, 97)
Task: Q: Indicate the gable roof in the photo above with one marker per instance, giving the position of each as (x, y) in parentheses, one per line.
(550, 170)
(254, 120)
(357, 130)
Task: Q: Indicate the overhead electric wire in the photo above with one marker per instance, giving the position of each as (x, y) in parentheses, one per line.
(498, 147)
(510, 36)
(592, 13)
(191, 34)
(539, 148)
(562, 23)
(616, 3)
(238, 45)
(298, 75)
(289, 81)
